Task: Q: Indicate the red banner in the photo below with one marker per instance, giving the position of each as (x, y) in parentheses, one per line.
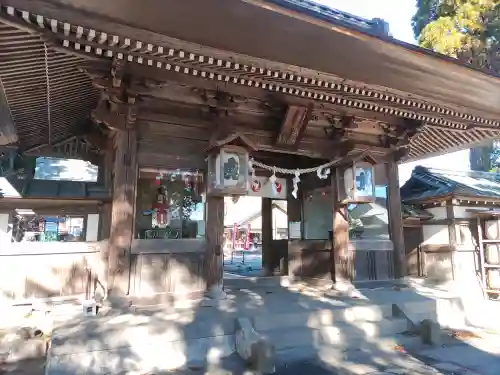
(247, 239)
(235, 232)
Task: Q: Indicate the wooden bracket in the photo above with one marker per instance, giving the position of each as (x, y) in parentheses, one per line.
(294, 125)
(115, 115)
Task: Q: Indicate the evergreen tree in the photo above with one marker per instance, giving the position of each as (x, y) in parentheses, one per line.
(468, 30)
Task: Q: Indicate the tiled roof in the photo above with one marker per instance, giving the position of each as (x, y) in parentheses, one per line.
(409, 211)
(433, 183)
(375, 26)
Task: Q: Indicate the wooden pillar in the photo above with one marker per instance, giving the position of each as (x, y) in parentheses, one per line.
(452, 235)
(267, 235)
(294, 215)
(106, 179)
(294, 206)
(214, 236)
(340, 234)
(395, 218)
(123, 210)
(5, 235)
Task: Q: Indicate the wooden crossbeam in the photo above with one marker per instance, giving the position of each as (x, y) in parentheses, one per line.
(294, 125)
(8, 133)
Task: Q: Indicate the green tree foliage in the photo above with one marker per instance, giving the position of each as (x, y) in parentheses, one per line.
(468, 30)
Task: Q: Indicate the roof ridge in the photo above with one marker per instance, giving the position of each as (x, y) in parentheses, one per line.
(468, 173)
(377, 26)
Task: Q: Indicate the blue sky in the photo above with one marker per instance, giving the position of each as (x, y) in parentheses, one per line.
(398, 14)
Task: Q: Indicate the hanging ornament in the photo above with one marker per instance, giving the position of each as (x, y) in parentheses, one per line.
(272, 179)
(296, 181)
(160, 208)
(275, 184)
(323, 172)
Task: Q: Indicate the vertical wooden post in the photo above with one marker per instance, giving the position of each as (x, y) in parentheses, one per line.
(395, 218)
(452, 235)
(340, 234)
(294, 206)
(294, 214)
(267, 235)
(123, 211)
(214, 236)
(106, 179)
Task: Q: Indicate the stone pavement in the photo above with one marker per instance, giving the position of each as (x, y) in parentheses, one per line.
(357, 362)
(475, 356)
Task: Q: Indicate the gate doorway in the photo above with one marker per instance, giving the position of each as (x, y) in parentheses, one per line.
(255, 237)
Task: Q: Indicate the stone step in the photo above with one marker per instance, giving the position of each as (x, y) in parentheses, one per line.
(322, 317)
(256, 282)
(390, 344)
(339, 334)
(152, 356)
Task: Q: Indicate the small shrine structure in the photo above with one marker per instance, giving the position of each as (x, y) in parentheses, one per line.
(181, 103)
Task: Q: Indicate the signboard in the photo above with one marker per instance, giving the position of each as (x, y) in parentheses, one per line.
(262, 187)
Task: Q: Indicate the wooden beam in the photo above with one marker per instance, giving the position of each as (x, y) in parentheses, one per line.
(51, 205)
(117, 116)
(8, 133)
(97, 139)
(123, 211)
(141, 72)
(452, 234)
(340, 259)
(395, 218)
(267, 235)
(294, 125)
(214, 237)
(191, 129)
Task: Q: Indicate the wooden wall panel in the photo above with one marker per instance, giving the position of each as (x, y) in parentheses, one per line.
(437, 263)
(373, 265)
(413, 250)
(163, 277)
(310, 260)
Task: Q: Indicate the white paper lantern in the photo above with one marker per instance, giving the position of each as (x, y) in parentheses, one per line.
(228, 171)
(359, 183)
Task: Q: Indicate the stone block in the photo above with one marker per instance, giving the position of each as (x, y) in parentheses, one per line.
(253, 348)
(430, 332)
(19, 346)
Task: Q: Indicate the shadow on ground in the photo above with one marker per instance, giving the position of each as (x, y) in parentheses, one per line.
(200, 335)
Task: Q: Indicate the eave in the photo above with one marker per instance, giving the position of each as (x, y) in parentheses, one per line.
(223, 25)
(441, 199)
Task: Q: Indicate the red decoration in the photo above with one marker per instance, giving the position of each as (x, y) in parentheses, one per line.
(247, 239)
(256, 186)
(161, 206)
